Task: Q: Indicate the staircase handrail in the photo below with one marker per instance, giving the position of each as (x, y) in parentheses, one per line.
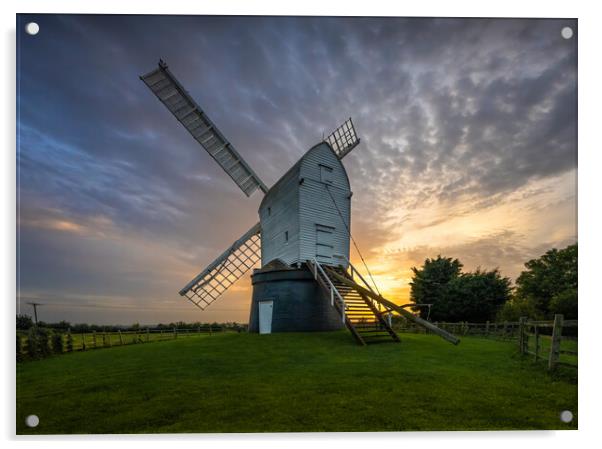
(333, 289)
(354, 271)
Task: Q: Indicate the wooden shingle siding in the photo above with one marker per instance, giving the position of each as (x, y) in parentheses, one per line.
(317, 213)
(282, 217)
(301, 203)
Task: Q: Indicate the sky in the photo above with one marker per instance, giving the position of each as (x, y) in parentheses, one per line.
(468, 149)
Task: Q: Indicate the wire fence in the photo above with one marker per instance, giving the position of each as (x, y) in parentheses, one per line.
(39, 343)
(553, 342)
(507, 330)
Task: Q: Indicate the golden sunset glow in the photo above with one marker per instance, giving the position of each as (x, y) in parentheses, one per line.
(467, 149)
(530, 214)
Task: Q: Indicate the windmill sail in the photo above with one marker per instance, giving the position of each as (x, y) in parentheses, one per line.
(175, 98)
(224, 271)
(343, 139)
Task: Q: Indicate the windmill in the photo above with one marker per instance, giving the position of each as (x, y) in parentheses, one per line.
(306, 281)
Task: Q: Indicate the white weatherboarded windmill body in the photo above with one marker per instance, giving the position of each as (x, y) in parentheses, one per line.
(306, 282)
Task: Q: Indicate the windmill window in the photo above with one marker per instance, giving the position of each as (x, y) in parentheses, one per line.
(269, 211)
(286, 236)
(326, 174)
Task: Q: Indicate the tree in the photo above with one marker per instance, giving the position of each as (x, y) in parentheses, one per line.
(552, 276)
(455, 296)
(81, 328)
(475, 296)
(24, 322)
(429, 283)
(514, 309)
(565, 303)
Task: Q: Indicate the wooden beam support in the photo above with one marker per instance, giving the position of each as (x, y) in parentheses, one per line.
(401, 311)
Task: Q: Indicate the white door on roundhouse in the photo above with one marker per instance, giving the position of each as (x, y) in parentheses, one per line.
(265, 316)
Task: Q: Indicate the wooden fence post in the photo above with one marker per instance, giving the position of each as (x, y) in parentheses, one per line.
(94, 339)
(210, 331)
(521, 334)
(556, 338)
(104, 339)
(161, 336)
(110, 343)
(147, 334)
(83, 341)
(120, 337)
(487, 328)
(175, 334)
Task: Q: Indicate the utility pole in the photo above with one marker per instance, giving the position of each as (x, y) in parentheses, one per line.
(35, 310)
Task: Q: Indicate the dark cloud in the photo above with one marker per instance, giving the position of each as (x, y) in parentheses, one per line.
(449, 111)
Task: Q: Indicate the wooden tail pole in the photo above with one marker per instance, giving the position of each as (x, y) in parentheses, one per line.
(424, 323)
(390, 305)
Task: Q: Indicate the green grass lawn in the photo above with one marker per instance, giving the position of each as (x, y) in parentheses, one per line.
(292, 383)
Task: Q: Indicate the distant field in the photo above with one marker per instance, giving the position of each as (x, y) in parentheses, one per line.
(292, 383)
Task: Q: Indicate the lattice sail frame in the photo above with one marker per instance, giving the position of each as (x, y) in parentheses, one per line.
(224, 271)
(343, 139)
(177, 100)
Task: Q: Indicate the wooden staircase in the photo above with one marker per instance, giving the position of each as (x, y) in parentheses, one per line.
(363, 315)
(362, 309)
(360, 314)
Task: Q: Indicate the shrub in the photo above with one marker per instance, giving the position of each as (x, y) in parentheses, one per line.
(57, 342)
(516, 308)
(32, 343)
(19, 348)
(69, 341)
(44, 349)
(24, 322)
